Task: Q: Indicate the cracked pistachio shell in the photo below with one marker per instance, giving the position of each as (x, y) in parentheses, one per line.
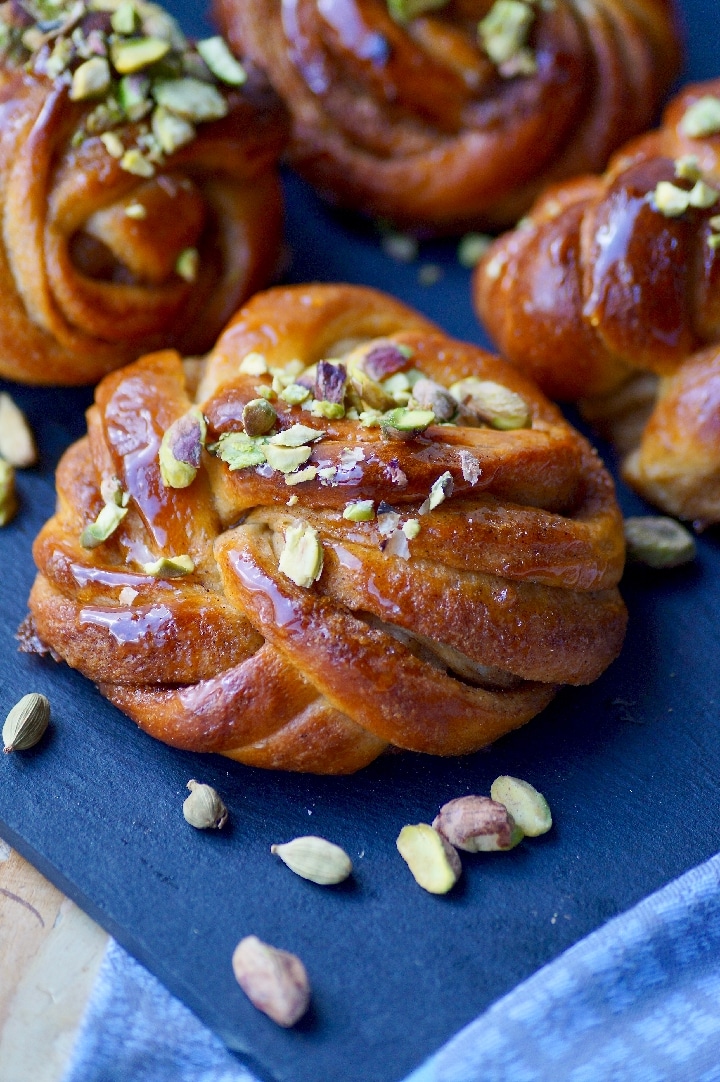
(204, 809)
(26, 723)
(315, 859)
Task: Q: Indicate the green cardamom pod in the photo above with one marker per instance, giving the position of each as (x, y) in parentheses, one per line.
(26, 723)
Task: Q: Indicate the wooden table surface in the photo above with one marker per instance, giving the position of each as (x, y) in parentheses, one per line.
(50, 952)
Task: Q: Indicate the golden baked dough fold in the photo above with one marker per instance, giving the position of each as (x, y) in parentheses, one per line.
(351, 585)
(609, 292)
(456, 117)
(140, 204)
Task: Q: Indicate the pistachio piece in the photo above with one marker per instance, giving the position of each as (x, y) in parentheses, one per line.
(134, 96)
(294, 394)
(296, 436)
(526, 805)
(253, 364)
(221, 61)
(670, 200)
(402, 11)
(702, 118)
(26, 723)
(258, 417)
(433, 862)
(134, 161)
(287, 459)
(385, 359)
(17, 444)
(187, 264)
(441, 490)
(477, 824)
(658, 542)
(136, 211)
(274, 980)
(297, 478)
(472, 248)
(192, 99)
(91, 79)
(239, 450)
(430, 395)
(405, 424)
(504, 30)
(113, 144)
(170, 567)
(411, 528)
(181, 449)
(138, 53)
(315, 859)
(368, 390)
(302, 555)
(359, 511)
(688, 168)
(104, 525)
(124, 19)
(204, 809)
(702, 195)
(171, 131)
(493, 403)
(330, 382)
(331, 411)
(8, 496)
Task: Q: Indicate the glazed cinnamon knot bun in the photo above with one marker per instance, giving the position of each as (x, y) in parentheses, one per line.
(138, 192)
(610, 293)
(355, 533)
(442, 115)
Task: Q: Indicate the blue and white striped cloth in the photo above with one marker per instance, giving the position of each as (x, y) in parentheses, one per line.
(636, 1001)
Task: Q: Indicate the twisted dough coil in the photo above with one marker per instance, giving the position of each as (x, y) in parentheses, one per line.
(437, 645)
(85, 287)
(415, 123)
(600, 296)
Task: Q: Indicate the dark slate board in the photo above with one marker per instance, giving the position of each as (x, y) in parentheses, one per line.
(630, 767)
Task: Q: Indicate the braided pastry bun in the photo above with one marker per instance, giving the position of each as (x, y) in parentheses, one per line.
(137, 189)
(456, 117)
(364, 577)
(608, 290)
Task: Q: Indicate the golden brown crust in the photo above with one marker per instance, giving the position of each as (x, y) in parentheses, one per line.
(416, 124)
(601, 297)
(439, 644)
(84, 288)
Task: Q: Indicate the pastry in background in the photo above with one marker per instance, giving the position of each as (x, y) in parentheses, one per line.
(609, 292)
(358, 533)
(139, 198)
(446, 115)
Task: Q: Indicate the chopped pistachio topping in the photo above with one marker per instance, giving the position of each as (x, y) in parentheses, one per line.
(332, 411)
(472, 248)
(302, 555)
(703, 196)
(406, 424)
(170, 567)
(104, 526)
(687, 168)
(170, 130)
(714, 241)
(113, 144)
(411, 528)
(441, 490)
(136, 54)
(359, 511)
(124, 20)
(91, 79)
(402, 11)
(239, 451)
(191, 99)
(254, 364)
(492, 403)
(263, 391)
(136, 211)
(8, 497)
(287, 459)
(221, 61)
(296, 436)
(181, 448)
(134, 161)
(672, 201)
(714, 223)
(258, 417)
(702, 118)
(188, 264)
(504, 31)
(294, 394)
(308, 474)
